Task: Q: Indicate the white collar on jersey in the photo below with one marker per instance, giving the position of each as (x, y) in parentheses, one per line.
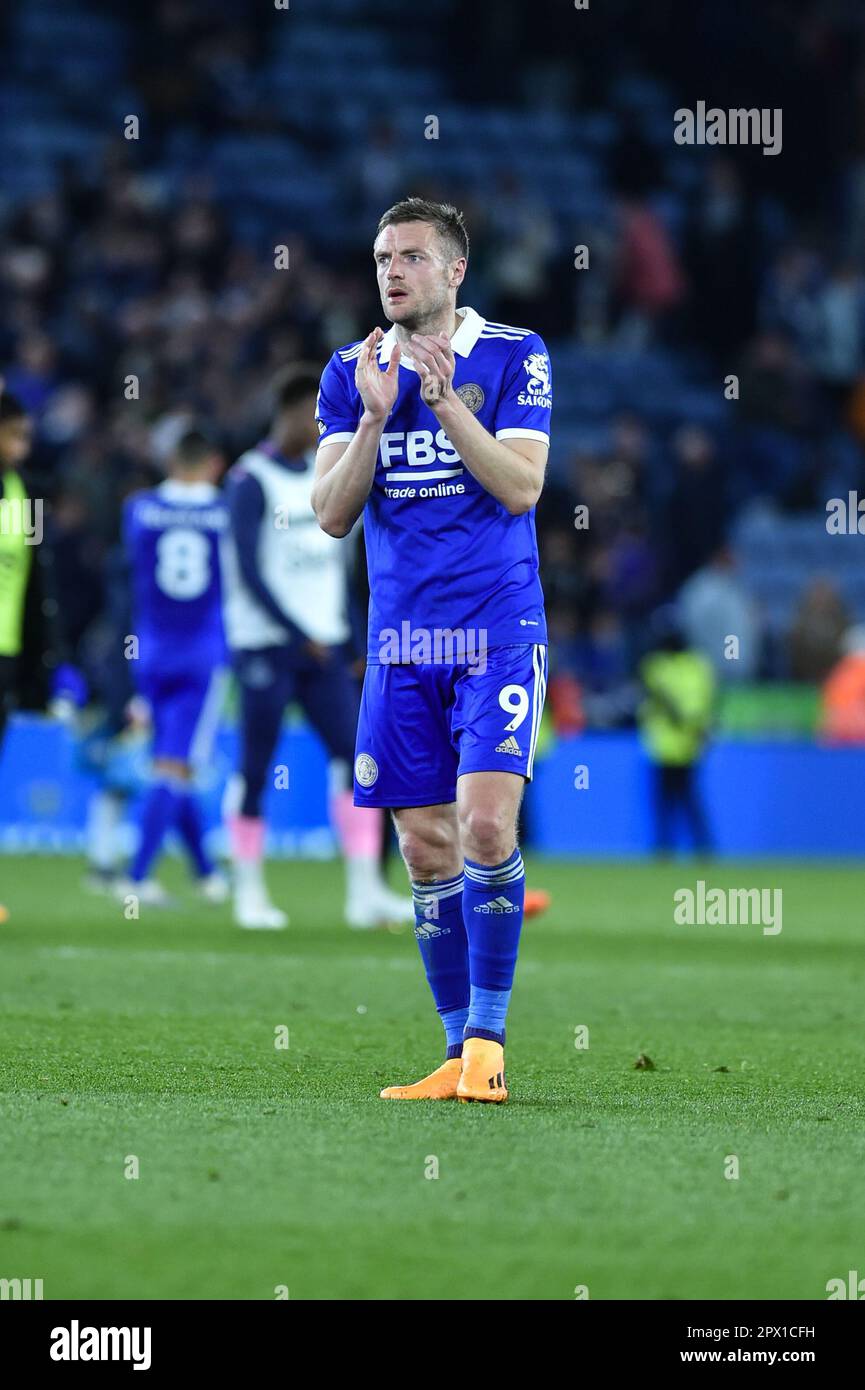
(463, 340)
(174, 490)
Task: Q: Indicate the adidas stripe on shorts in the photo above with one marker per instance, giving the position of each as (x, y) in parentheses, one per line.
(422, 726)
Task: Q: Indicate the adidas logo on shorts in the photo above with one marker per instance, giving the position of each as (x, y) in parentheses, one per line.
(499, 904)
(510, 745)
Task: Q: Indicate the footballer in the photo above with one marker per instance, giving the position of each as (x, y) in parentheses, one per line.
(438, 431)
(286, 616)
(171, 537)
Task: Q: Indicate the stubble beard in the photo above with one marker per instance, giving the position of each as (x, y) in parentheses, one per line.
(426, 318)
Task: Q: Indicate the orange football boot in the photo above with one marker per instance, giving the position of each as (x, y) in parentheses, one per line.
(440, 1085)
(537, 900)
(483, 1073)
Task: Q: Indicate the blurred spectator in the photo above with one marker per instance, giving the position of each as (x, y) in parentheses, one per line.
(774, 387)
(675, 721)
(564, 578)
(651, 282)
(565, 700)
(837, 346)
(714, 606)
(842, 712)
(380, 171)
(632, 584)
(722, 261)
(778, 413)
(32, 375)
(818, 629)
(635, 167)
(633, 446)
(787, 302)
(522, 246)
(604, 656)
(29, 646)
(697, 513)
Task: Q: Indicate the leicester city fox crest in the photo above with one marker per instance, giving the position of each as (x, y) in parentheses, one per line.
(471, 395)
(365, 769)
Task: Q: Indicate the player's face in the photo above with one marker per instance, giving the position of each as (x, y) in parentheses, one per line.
(215, 467)
(415, 280)
(16, 438)
(296, 426)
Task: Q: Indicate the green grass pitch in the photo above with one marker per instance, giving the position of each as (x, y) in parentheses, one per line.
(262, 1167)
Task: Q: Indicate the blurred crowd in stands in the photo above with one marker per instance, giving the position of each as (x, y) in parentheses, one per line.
(140, 293)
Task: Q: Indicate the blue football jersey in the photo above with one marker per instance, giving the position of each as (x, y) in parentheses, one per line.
(171, 535)
(442, 552)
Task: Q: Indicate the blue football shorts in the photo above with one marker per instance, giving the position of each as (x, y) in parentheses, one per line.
(422, 726)
(185, 708)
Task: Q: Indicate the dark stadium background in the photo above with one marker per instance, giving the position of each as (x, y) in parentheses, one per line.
(154, 257)
(190, 1111)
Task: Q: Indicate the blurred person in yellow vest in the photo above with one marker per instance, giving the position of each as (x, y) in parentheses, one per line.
(842, 708)
(15, 431)
(16, 554)
(30, 669)
(30, 673)
(675, 719)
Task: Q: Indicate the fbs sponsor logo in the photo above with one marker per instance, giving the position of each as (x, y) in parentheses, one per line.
(365, 769)
(417, 448)
(538, 387)
(500, 904)
(509, 745)
(76, 1343)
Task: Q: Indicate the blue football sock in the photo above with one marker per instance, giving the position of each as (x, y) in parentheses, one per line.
(441, 936)
(190, 827)
(493, 910)
(157, 816)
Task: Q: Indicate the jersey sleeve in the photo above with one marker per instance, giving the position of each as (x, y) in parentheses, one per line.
(526, 398)
(336, 409)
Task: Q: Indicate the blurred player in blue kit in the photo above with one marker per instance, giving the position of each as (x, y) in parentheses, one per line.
(438, 431)
(171, 536)
(286, 616)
